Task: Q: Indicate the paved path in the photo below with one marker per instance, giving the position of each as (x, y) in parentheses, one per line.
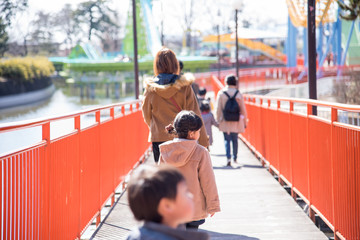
(254, 205)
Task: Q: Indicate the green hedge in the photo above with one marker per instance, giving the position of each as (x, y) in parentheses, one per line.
(192, 66)
(26, 69)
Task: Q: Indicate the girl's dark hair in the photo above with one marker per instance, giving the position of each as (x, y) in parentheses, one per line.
(185, 121)
(204, 106)
(147, 186)
(230, 80)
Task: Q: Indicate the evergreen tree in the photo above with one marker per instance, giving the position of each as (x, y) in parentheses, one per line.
(8, 9)
(97, 15)
(3, 39)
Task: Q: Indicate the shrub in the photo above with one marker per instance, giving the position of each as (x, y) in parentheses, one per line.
(26, 69)
(19, 75)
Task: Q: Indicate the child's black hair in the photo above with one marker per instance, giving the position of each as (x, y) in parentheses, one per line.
(185, 121)
(202, 91)
(147, 186)
(204, 106)
(181, 64)
(230, 80)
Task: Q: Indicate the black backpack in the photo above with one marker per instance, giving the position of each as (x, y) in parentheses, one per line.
(231, 110)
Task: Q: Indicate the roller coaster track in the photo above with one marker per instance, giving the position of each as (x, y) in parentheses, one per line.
(325, 12)
(228, 39)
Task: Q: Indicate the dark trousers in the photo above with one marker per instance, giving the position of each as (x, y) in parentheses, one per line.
(194, 225)
(232, 137)
(156, 150)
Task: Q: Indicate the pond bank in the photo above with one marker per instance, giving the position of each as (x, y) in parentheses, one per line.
(26, 98)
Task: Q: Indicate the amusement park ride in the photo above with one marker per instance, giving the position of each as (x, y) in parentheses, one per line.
(330, 33)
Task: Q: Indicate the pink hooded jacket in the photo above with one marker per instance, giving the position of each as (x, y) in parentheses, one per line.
(194, 162)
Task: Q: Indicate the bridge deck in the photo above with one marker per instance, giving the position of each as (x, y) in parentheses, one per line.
(254, 205)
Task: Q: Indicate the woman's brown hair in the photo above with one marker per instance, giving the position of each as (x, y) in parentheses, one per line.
(165, 62)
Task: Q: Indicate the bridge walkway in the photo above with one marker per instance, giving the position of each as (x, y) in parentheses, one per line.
(254, 205)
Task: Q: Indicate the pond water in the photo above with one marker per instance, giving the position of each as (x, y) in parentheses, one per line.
(59, 104)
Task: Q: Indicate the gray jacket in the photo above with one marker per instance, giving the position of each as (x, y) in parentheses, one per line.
(156, 231)
(209, 120)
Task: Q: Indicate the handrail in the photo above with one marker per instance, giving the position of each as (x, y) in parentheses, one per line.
(36, 122)
(316, 157)
(55, 188)
(339, 106)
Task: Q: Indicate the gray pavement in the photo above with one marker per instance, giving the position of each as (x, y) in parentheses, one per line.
(254, 205)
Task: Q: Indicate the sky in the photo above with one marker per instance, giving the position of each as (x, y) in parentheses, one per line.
(260, 13)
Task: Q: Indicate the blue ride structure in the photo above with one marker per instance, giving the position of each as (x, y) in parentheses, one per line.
(331, 33)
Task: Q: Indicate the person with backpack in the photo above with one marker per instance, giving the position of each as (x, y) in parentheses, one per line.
(231, 115)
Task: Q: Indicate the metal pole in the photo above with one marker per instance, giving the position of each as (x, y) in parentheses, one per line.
(218, 49)
(162, 25)
(136, 66)
(236, 46)
(311, 25)
(338, 39)
(218, 44)
(305, 48)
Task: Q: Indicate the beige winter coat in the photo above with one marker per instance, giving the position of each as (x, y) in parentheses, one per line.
(194, 163)
(227, 126)
(158, 110)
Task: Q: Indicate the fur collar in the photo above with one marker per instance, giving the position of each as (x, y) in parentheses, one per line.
(185, 80)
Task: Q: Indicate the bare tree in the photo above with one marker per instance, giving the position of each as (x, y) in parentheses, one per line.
(41, 37)
(66, 24)
(111, 36)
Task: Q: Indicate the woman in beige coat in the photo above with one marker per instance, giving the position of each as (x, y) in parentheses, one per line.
(165, 95)
(194, 163)
(230, 128)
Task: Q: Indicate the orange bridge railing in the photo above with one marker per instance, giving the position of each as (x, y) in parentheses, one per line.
(318, 157)
(55, 188)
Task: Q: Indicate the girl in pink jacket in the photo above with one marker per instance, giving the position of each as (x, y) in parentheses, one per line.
(194, 162)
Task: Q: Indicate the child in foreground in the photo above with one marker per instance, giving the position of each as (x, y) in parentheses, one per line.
(194, 162)
(160, 197)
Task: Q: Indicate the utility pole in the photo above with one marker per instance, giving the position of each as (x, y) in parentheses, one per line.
(162, 25)
(136, 66)
(237, 46)
(311, 26)
(218, 45)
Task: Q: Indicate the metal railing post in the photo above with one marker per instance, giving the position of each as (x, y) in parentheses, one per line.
(334, 116)
(309, 113)
(97, 119)
(77, 127)
(46, 219)
(291, 109)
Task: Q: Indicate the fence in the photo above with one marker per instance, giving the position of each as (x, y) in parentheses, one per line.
(318, 158)
(252, 79)
(57, 187)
